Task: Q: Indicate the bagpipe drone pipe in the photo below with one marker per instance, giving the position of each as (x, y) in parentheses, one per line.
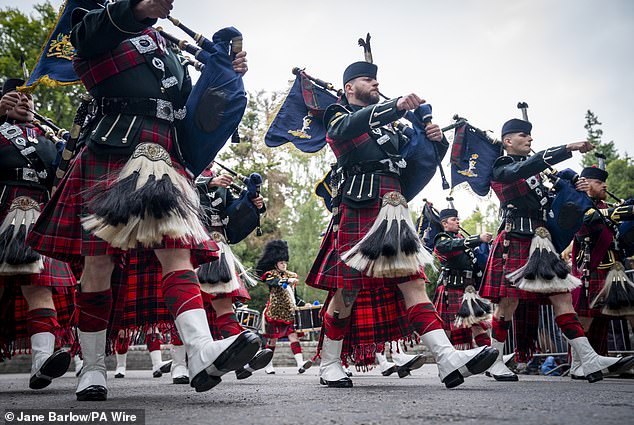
(217, 101)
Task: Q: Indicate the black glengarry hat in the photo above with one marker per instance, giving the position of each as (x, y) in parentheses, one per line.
(594, 173)
(516, 126)
(447, 213)
(11, 84)
(359, 69)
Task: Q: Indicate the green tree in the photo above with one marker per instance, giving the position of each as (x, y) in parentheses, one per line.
(26, 34)
(594, 135)
(621, 177)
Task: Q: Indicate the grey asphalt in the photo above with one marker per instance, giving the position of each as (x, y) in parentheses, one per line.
(290, 398)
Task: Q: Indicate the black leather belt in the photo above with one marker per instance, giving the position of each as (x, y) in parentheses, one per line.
(20, 174)
(149, 107)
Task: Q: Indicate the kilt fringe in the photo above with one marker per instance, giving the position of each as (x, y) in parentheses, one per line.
(473, 309)
(148, 200)
(64, 336)
(16, 257)
(390, 248)
(617, 296)
(545, 271)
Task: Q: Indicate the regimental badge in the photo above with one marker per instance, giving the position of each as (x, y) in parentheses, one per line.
(303, 132)
(470, 172)
(60, 47)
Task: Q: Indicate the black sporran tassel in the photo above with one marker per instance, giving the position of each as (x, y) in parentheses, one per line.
(410, 244)
(390, 243)
(116, 205)
(372, 246)
(18, 253)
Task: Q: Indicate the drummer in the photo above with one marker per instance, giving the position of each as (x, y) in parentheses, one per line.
(279, 313)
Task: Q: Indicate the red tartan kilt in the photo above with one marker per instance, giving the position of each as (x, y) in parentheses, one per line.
(138, 300)
(595, 285)
(378, 317)
(447, 304)
(495, 284)
(59, 234)
(328, 270)
(14, 337)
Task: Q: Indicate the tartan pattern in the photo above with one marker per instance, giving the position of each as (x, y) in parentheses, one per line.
(94, 309)
(14, 337)
(41, 320)
(507, 192)
(581, 302)
(525, 325)
(495, 284)
(378, 317)
(447, 303)
(570, 325)
(342, 147)
(329, 271)
(124, 56)
(58, 232)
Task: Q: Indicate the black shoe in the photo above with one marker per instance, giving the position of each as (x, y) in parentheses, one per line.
(93, 393)
(341, 383)
(261, 359)
(118, 375)
(307, 364)
(405, 370)
(479, 364)
(53, 367)
(506, 378)
(157, 373)
(238, 354)
(204, 382)
(389, 371)
(167, 367)
(577, 377)
(180, 380)
(623, 365)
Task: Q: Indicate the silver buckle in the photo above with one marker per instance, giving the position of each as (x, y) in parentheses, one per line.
(164, 110)
(29, 174)
(179, 114)
(144, 43)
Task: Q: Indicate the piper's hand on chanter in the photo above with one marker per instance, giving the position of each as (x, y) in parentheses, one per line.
(582, 147)
(258, 201)
(486, 237)
(152, 9)
(221, 181)
(8, 102)
(433, 133)
(240, 63)
(409, 102)
(582, 184)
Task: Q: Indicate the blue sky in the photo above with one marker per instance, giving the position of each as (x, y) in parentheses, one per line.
(473, 58)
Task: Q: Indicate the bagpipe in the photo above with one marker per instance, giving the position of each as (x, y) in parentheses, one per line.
(217, 101)
(243, 214)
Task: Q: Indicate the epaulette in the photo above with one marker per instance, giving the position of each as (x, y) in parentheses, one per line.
(441, 236)
(503, 160)
(590, 211)
(334, 110)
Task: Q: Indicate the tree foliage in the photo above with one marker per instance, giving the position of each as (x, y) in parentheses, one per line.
(21, 33)
(594, 136)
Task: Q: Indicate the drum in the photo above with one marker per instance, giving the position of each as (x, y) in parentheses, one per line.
(307, 318)
(250, 319)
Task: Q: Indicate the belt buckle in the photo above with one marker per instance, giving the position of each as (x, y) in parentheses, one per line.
(29, 174)
(164, 110)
